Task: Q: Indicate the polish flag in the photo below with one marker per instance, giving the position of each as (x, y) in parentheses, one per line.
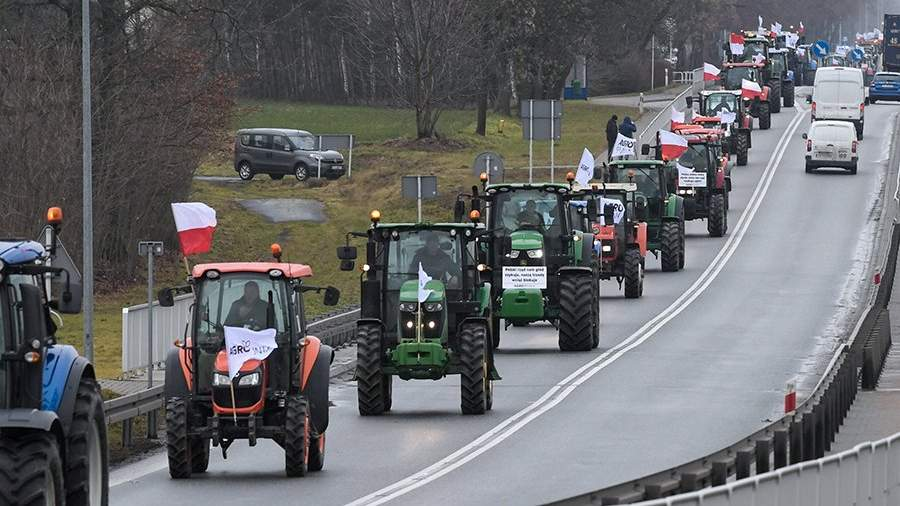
(673, 145)
(750, 89)
(737, 44)
(710, 72)
(196, 223)
(802, 29)
(677, 118)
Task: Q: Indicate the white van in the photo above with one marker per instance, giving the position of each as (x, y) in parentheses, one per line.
(831, 144)
(839, 94)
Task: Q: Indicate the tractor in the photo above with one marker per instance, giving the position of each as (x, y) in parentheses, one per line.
(439, 328)
(664, 209)
(283, 397)
(757, 49)
(732, 77)
(780, 74)
(715, 102)
(620, 238)
(52, 427)
(542, 267)
(705, 197)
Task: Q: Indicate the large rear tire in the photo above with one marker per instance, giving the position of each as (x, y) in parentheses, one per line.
(743, 145)
(475, 374)
(369, 378)
(717, 224)
(775, 99)
(634, 274)
(87, 471)
(595, 316)
(788, 94)
(670, 246)
(576, 327)
(296, 436)
(765, 116)
(31, 470)
(178, 446)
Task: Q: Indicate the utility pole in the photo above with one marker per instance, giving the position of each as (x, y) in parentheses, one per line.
(87, 184)
(652, 61)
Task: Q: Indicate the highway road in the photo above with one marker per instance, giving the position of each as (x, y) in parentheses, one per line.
(700, 361)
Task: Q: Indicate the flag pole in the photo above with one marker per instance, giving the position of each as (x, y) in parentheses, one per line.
(233, 403)
(419, 322)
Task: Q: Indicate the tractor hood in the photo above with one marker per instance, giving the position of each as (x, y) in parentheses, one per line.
(523, 240)
(409, 292)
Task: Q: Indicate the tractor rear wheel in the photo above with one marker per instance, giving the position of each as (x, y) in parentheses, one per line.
(296, 436)
(369, 379)
(765, 116)
(775, 100)
(316, 453)
(178, 447)
(576, 325)
(670, 246)
(199, 454)
(474, 365)
(634, 274)
(86, 469)
(742, 142)
(717, 224)
(595, 316)
(681, 247)
(788, 94)
(31, 470)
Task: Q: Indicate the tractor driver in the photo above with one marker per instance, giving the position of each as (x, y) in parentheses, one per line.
(436, 263)
(249, 311)
(718, 103)
(530, 215)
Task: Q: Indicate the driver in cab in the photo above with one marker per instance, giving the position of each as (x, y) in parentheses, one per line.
(249, 311)
(530, 216)
(436, 263)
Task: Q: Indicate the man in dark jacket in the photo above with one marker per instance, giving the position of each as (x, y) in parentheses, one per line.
(612, 131)
(628, 128)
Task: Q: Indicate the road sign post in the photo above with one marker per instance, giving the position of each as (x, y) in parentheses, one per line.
(541, 120)
(150, 249)
(419, 188)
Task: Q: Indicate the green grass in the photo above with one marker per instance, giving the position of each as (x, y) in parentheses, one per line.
(385, 152)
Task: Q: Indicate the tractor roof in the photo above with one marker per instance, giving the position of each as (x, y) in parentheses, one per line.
(292, 271)
(743, 65)
(638, 163)
(16, 252)
(702, 136)
(430, 226)
(601, 187)
(527, 186)
(707, 93)
(706, 119)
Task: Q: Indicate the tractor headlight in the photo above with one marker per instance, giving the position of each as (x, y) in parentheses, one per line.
(409, 307)
(250, 380)
(431, 324)
(689, 191)
(535, 253)
(513, 254)
(606, 248)
(221, 380)
(433, 306)
(410, 324)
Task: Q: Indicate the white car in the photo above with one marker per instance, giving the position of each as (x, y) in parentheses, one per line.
(831, 144)
(839, 94)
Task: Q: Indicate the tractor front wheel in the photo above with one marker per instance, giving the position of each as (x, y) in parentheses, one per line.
(765, 116)
(743, 145)
(576, 325)
(87, 471)
(296, 436)
(788, 94)
(316, 452)
(670, 246)
(474, 364)
(369, 378)
(32, 470)
(634, 274)
(717, 224)
(178, 446)
(775, 100)
(595, 316)
(199, 454)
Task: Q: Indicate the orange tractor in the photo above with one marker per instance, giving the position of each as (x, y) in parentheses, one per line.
(283, 396)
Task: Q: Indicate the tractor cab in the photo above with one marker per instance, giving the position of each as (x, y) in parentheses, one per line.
(762, 106)
(733, 74)
(756, 49)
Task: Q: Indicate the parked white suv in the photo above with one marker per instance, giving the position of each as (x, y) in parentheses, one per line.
(831, 144)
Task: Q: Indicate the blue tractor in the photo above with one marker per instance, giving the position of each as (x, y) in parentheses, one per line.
(52, 428)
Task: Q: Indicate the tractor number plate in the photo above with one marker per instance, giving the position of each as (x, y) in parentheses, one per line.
(525, 277)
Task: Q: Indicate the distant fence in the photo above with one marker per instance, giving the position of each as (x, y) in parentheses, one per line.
(168, 324)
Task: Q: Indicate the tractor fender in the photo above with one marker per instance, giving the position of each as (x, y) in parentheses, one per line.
(570, 270)
(641, 236)
(317, 360)
(60, 362)
(34, 420)
(81, 368)
(765, 94)
(178, 378)
(674, 207)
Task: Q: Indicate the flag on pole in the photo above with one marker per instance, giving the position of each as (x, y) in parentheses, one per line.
(802, 29)
(424, 278)
(677, 117)
(737, 44)
(761, 29)
(776, 29)
(710, 72)
(750, 89)
(624, 146)
(244, 344)
(585, 168)
(673, 145)
(196, 223)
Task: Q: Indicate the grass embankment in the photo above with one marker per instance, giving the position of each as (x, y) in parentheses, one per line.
(384, 152)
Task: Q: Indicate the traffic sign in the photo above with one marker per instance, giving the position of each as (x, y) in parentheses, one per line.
(821, 48)
(857, 55)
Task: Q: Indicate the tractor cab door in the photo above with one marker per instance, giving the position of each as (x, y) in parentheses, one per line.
(23, 317)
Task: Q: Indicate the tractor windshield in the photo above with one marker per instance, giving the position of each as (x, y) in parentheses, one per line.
(778, 64)
(644, 177)
(754, 51)
(721, 102)
(734, 75)
(696, 157)
(528, 208)
(246, 299)
(439, 253)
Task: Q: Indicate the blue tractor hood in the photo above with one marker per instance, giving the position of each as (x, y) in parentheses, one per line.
(21, 252)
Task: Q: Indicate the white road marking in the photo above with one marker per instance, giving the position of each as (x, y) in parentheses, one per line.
(568, 385)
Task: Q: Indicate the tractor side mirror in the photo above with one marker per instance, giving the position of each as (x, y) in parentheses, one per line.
(592, 210)
(645, 149)
(346, 252)
(690, 101)
(332, 296)
(70, 301)
(347, 265)
(809, 99)
(459, 211)
(609, 212)
(640, 206)
(166, 297)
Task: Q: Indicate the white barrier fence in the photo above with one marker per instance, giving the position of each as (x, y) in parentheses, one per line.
(868, 474)
(168, 325)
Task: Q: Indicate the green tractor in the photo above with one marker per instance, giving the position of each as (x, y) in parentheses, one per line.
(543, 267)
(656, 204)
(441, 328)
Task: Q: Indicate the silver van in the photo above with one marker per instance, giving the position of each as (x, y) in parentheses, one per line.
(278, 151)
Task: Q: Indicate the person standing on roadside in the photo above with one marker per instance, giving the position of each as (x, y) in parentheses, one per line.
(612, 131)
(628, 128)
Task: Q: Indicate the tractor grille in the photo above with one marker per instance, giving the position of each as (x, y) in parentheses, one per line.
(244, 397)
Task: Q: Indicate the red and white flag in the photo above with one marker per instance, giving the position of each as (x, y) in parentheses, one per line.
(677, 117)
(672, 145)
(710, 72)
(737, 44)
(802, 29)
(196, 223)
(750, 89)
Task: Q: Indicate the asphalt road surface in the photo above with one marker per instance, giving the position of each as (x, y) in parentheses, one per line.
(700, 361)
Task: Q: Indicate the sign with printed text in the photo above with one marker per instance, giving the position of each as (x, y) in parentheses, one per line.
(618, 210)
(624, 146)
(687, 178)
(516, 277)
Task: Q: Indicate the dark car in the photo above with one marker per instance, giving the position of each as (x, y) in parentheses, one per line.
(278, 151)
(885, 86)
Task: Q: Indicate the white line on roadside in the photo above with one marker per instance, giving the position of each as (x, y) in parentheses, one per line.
(568, 385)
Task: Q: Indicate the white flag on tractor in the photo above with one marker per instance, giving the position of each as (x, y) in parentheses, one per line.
(424, 278)
(624, 146)
(245, 344)
(586, 168)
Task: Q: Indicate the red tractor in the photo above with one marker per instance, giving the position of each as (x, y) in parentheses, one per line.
(702, 176)
(283, 397)
(732, 77)
(714, 104)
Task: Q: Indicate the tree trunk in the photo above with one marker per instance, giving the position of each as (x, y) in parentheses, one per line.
(481, 123)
